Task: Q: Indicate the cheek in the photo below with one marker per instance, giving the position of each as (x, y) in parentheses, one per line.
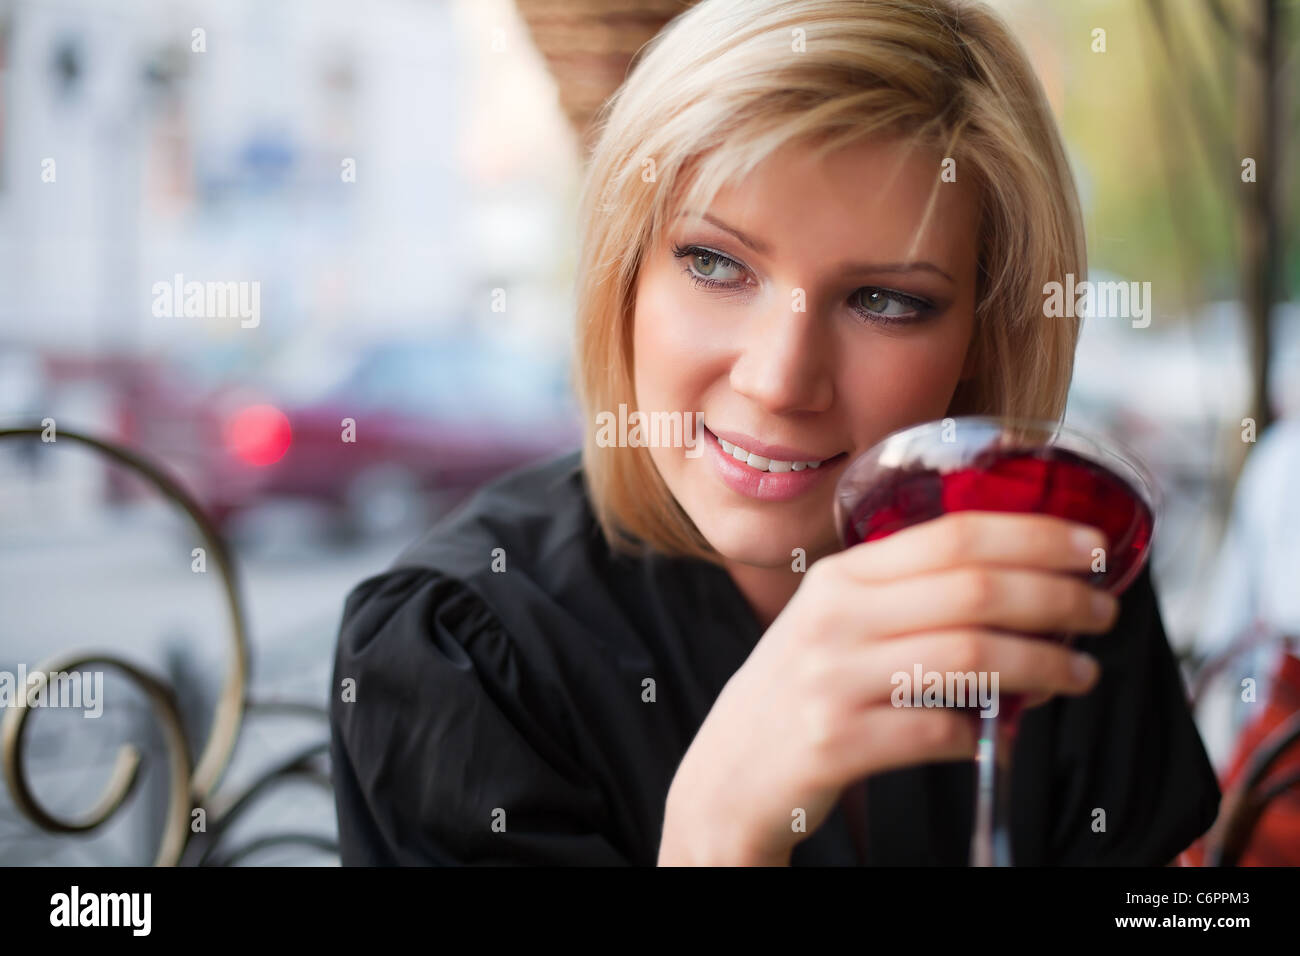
(670, 341)
(894, 381)
(669, 365)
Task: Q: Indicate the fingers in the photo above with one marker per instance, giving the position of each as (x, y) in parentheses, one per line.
(1002, 598)
(975, 537)
(1022, 664)
(900, 737)
(907, 735)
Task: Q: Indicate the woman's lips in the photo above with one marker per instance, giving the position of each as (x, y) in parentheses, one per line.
(767, 485)
(777, 452)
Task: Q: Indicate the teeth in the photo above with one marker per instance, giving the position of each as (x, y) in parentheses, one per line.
(759, 463)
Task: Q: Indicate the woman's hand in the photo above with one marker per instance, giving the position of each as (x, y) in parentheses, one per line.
(809, 712)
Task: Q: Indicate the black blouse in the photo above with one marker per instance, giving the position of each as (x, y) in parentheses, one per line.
(501, 711)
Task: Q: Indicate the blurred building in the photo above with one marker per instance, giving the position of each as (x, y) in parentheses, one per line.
(377, 171)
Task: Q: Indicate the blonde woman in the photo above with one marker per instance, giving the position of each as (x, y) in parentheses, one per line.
(806, 224)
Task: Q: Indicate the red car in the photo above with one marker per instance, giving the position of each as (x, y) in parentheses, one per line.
(414, 428)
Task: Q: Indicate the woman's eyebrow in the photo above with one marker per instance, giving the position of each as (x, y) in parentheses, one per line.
(899, 267)
(757, 245)
(762, 248)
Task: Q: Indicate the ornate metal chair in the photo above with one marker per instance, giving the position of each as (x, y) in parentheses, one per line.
(198, 815)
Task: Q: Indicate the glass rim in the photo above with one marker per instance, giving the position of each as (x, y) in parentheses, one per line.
(1109, 451)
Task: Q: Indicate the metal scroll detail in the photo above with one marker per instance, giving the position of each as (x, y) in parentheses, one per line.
(191, 785)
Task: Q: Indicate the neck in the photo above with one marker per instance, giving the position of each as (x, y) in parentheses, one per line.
(766, 590)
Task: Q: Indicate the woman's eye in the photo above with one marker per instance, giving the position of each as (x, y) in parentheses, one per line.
(712, 270)
(888, 305)
(709, 267)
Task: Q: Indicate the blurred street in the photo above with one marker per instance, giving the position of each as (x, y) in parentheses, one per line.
(122, 585)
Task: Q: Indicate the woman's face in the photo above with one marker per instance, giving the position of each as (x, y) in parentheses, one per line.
(809, 339)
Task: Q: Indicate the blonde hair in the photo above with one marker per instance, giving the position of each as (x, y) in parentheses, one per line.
(721, 88)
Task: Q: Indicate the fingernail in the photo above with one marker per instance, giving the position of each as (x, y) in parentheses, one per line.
(1087, 540)
(1084, 668)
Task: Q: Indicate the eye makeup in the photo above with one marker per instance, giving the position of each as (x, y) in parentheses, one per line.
(702, 263)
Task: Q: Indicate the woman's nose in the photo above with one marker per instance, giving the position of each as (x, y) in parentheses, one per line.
(785, 359)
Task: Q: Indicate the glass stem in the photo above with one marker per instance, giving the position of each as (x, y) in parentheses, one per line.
(991, 839)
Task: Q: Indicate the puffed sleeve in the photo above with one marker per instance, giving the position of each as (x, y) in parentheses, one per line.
(1132, 782)
(448, 750)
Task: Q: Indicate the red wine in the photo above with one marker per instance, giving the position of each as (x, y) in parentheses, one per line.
(1042, 480)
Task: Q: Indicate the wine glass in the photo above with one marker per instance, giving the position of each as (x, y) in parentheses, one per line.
(980, 463)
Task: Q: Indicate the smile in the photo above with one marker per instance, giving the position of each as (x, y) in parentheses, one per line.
(759, 463)
(764, 476)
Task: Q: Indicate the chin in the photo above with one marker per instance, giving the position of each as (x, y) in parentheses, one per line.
(765, 544)
(746, 532)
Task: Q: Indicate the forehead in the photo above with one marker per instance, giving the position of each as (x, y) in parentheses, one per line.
(868, 199)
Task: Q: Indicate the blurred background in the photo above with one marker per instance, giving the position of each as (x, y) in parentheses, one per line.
(391, 188)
